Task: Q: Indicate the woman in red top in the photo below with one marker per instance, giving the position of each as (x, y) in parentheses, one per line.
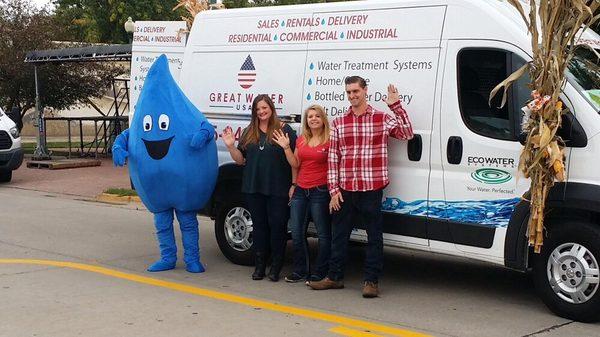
(309, 195)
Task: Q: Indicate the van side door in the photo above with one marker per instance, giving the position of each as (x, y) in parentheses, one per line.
(479, 148)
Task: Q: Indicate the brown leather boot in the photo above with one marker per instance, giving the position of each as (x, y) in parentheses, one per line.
(370, 289)
(326, 283)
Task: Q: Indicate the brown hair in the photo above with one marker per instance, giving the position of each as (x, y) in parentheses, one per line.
(307, 132)
(356, 79)
(252, 134)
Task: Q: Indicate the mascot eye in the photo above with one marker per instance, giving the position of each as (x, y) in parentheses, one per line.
(163, 122)
(147, 123)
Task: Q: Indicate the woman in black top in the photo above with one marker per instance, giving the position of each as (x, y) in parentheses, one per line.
(266, 183)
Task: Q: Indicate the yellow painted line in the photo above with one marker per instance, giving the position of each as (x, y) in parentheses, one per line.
(342, 330)
(307, 313)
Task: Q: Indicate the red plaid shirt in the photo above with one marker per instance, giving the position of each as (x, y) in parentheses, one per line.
(357, 158)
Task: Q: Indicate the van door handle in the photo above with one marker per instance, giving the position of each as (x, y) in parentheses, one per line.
(454, 150)
(415, 148)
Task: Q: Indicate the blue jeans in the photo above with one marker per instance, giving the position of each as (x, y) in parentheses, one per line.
(358, 208)
(313, 202)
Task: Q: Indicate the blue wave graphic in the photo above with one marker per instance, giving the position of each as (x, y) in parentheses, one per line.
(495, 213)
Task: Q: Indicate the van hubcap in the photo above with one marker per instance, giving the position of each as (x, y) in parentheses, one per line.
(238, 229)
(573, 273)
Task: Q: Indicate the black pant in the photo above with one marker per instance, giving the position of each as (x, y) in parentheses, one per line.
(366, 208)
(270, 215)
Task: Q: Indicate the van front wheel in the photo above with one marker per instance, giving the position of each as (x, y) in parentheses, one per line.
(566, 273)
(233, 230)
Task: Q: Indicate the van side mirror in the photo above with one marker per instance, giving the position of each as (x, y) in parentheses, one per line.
(572, 132)
(15, 115)
(522, 138)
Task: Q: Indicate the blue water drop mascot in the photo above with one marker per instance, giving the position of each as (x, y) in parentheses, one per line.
(173, 163)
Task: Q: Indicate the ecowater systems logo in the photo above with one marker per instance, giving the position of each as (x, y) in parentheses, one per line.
(491, 176)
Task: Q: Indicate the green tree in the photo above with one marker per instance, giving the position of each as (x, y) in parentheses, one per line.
(246, 3)
(25, 28)
(236, 3)
(102, 20)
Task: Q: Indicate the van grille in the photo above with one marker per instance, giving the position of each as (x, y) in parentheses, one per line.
(5, 140)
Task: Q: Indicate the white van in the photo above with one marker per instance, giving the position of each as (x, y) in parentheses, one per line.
(455, 188)
(11, 154)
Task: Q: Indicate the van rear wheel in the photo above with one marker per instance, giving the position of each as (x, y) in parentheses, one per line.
(5, 176)
(233, 230)
(566, 271)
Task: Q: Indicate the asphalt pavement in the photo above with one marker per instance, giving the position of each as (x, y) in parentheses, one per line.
(70, 266)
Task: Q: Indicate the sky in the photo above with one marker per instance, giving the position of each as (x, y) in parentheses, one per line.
(40, 3)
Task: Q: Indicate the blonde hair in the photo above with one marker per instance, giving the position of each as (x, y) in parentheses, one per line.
(307, 132)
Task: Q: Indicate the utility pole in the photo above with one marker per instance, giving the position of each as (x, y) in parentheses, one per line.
(41, 151)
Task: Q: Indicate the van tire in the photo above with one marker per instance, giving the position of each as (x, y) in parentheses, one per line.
(233, 230)
(5, 176)
(584, 238)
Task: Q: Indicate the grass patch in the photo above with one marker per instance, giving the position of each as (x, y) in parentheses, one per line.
(64, 145)
(59, 148)
(122, 192)
(60, 145)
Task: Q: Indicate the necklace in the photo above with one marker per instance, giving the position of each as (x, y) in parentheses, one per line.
(262, 147)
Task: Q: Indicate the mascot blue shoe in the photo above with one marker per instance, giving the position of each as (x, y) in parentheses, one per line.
(172, 157)
(163, 222)
(189, 235)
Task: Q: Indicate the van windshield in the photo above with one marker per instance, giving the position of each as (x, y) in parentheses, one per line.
(584, 69)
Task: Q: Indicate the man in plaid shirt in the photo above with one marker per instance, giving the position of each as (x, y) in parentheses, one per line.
(357, 175)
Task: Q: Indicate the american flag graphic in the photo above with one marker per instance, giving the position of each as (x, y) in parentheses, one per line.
(247, 74)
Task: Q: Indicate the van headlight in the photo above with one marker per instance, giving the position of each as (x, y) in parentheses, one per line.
(14, 132)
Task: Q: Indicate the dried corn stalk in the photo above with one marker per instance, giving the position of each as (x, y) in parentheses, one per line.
(193, 7)
(554, 26)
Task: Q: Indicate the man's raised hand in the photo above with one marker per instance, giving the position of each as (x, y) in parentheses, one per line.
(392, 96)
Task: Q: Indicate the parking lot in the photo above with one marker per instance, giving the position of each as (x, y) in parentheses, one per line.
(107, 291)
